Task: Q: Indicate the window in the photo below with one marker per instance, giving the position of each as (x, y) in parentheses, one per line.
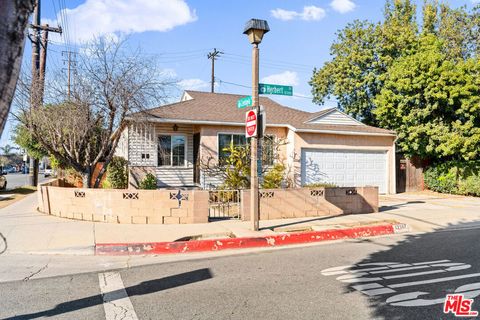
(224, 141)
(171, 151)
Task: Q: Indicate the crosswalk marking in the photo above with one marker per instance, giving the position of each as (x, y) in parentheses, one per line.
(116, 302)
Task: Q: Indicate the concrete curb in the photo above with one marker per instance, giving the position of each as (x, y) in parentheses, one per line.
(282, 239)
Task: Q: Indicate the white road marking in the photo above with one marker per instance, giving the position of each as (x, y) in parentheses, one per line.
(375, 292)
(367, 286)
(376, 271)
(429, 262)
(116, 302)
(400, 269)
(413, 274)
(416, 283)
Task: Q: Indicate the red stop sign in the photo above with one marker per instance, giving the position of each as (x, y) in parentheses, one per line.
(251, 123)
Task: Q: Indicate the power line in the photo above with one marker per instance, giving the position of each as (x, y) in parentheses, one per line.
(267, 65)
(249, 87)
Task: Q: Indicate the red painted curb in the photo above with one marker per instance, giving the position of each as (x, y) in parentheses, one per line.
(241, 243)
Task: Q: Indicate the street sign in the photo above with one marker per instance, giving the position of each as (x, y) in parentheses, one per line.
(251, 124)
(264, 88)
(244, 102)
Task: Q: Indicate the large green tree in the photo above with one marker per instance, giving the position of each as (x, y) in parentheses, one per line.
(420, 81)
(432, 102)
(361, 55)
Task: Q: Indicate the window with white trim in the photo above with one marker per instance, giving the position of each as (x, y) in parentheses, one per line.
(171, 150)
(224, 141)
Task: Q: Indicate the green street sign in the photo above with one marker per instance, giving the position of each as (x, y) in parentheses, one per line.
(244, 102)
(264, 88)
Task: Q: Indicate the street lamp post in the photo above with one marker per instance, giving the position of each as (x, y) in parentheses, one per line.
(255, 29)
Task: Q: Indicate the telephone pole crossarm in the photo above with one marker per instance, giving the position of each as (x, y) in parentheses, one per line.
(213, 56)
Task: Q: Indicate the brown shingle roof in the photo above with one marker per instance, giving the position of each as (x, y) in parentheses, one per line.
(222, 107)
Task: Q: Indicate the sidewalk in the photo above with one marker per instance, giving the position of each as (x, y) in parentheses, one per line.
(28, 231)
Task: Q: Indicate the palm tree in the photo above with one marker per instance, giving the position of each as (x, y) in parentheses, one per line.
(7, 149)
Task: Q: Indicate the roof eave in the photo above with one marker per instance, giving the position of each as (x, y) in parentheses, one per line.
(271, 125)
(350, 133)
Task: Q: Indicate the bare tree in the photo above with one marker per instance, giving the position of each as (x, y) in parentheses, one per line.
(82, 127)
(13, 21)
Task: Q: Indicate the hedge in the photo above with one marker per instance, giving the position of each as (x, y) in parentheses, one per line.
(455, 177)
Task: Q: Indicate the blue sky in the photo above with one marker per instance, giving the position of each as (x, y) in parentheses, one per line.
(180, 33)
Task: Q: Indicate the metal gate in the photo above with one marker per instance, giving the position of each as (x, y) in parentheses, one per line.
(224, 204)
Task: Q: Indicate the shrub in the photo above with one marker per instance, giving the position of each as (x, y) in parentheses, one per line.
(456, 177)
(149, 182)
(274, 177)
(117, 174)
(470, 186)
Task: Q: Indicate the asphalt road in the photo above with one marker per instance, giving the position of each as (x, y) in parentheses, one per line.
(293, 283)
(15, 180)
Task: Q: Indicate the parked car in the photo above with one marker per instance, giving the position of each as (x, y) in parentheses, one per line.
(48, 171)
(9, 169)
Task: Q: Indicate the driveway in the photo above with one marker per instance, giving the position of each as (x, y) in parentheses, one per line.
(428, 211)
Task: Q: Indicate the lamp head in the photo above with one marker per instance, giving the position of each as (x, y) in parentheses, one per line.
(255, 29)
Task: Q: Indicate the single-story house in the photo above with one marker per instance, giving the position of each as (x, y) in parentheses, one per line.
(326, 146)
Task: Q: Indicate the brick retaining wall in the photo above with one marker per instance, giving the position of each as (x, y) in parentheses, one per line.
(304, 202)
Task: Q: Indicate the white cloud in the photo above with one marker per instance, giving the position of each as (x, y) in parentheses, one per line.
(169, 73)
(193, 84)
(342, 6)
(284, 15)
(309, 13)
(104, 17)
(287, 78)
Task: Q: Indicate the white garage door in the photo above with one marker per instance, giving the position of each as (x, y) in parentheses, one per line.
(345, 168)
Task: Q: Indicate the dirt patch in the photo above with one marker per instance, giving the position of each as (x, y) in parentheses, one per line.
(207, 236)
(8, 197)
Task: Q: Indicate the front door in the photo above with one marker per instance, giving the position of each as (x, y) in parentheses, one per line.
(196, 158)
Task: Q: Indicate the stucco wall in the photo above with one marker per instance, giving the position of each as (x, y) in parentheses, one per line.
(304, 202)
(124, 206)
(345, 142)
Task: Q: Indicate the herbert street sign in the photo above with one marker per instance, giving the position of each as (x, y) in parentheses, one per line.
(251, 124)
(264, 88)
(244, 102)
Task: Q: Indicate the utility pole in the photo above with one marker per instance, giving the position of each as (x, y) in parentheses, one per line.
(39, 61)
(71, 65)
(212, 56)
(33, 172)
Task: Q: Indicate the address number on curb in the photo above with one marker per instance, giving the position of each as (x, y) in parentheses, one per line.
(400, 228)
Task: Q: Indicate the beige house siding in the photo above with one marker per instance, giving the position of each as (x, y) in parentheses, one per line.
(143, 139)
(345, 142)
